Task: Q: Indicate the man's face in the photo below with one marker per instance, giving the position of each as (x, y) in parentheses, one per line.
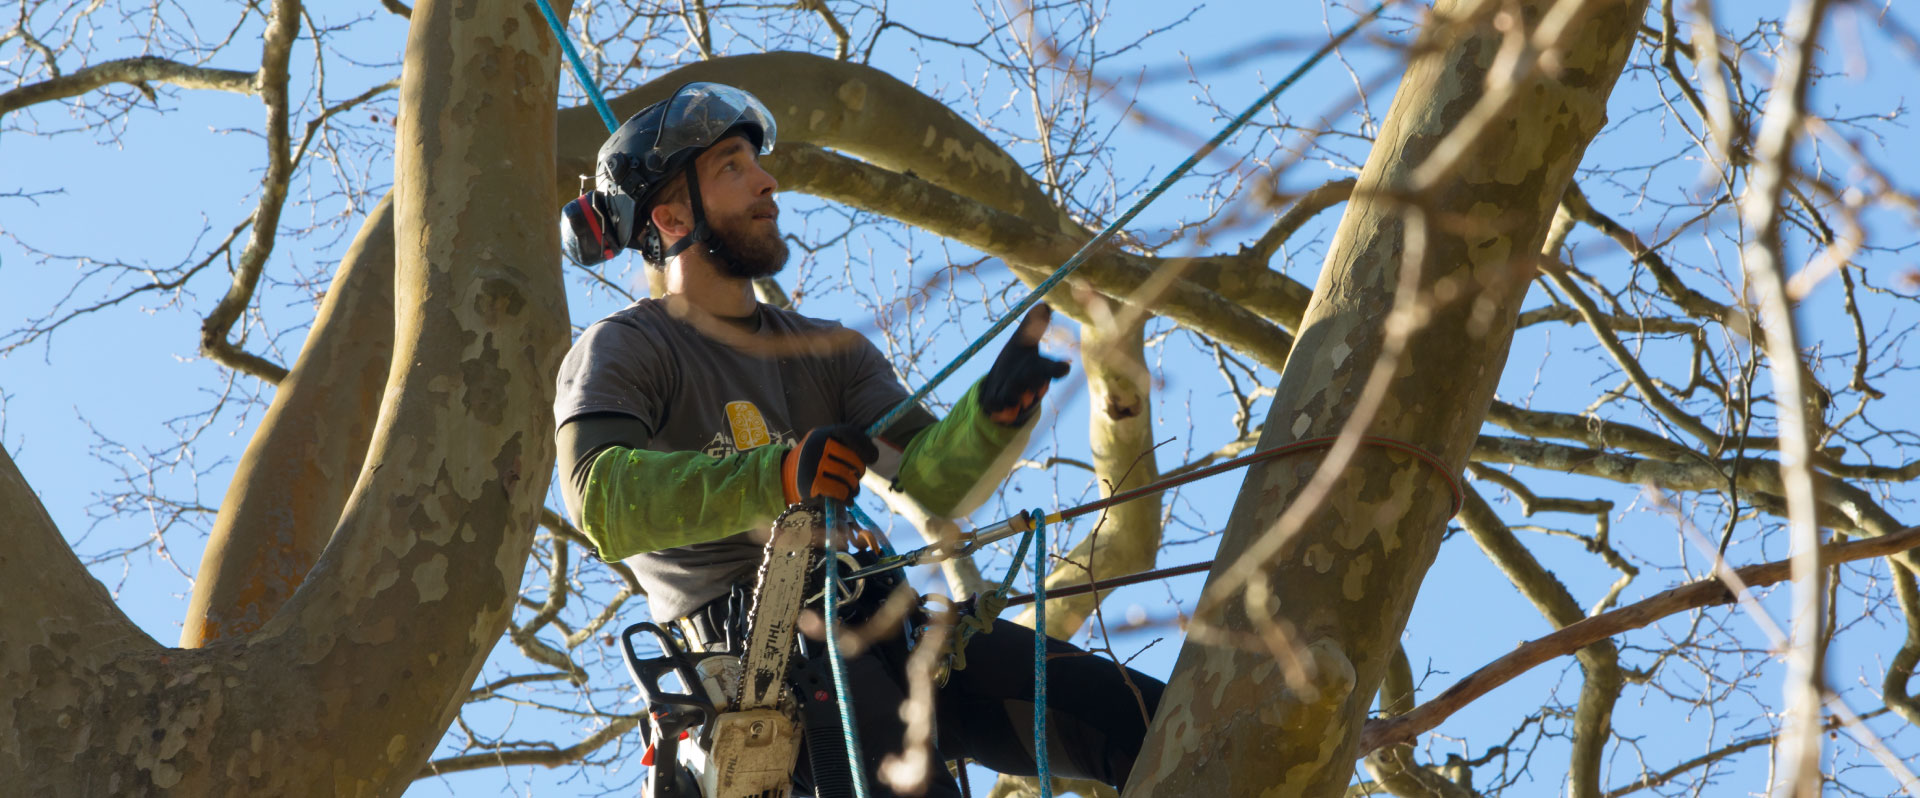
(740, 210)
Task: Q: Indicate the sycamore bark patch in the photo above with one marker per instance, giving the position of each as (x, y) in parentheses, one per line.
(430, 578)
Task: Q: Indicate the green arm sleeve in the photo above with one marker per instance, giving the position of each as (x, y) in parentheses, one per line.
(952, 466)
(640, 500)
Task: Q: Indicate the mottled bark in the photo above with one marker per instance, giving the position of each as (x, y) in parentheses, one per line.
(1461, 184)
(347, 690)
(288, 489)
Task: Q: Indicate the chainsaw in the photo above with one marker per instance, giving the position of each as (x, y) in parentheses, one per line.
(733, 727)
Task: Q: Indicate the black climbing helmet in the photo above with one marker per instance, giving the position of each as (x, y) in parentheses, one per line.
(642, 156)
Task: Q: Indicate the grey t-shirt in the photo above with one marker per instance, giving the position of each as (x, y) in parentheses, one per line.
(716, 386)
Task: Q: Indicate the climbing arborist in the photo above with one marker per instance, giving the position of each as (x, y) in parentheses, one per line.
(688, 422)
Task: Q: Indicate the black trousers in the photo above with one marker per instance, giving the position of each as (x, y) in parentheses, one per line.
(1097, 710)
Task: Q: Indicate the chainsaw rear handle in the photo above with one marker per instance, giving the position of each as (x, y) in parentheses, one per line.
(681, 710)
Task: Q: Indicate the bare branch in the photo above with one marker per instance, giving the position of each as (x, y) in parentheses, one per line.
(1694, 595)
(545, 757)
(138, 72)
(276, 50)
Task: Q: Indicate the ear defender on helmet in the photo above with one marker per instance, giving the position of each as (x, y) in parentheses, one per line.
(596, 226)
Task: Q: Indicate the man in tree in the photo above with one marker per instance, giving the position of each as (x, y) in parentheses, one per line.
(688, 422)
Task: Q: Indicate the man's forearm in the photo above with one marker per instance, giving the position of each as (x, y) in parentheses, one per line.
(639, 500)
(952, 466)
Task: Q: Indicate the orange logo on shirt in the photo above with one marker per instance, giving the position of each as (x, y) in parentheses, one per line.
(749, 428)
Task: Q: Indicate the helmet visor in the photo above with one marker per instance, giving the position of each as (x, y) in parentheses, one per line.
(699, 114)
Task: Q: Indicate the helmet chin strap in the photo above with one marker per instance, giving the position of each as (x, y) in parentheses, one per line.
(700, 232)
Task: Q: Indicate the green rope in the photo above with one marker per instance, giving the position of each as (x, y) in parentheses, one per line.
(1100, 240)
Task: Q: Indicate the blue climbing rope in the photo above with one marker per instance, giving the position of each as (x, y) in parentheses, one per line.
(848, 733)
(1087, 250)
(1041, 769)
(579, 67)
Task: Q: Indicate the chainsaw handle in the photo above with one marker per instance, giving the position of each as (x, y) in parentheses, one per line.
(646, 673)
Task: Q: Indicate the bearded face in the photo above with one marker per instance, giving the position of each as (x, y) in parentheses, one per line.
(748, 245)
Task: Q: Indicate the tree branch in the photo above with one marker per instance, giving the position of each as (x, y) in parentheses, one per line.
(136, 71)
(1023, 245)
(1593, 718)
(544, 757)
(276, 50)
(1694, 595)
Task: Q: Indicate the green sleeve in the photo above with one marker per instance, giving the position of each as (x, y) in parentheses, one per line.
(952, 466)
(640, 500)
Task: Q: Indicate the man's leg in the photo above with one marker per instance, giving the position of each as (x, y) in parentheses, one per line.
(1097, 711)
(875, 680)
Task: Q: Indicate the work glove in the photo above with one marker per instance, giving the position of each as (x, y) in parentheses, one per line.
(827, 462)
(1020, 376)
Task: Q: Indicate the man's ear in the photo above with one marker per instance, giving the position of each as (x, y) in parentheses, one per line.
(672, 220)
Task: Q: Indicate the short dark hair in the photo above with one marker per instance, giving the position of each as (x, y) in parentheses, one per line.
(675, 190)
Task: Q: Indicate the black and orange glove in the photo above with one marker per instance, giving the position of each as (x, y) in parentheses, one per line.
(827, 462)
(1021, 375)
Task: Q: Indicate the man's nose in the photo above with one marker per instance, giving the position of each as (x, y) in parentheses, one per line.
(765, 182)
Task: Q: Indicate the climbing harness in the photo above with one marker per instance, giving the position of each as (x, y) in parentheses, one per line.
(755, 726)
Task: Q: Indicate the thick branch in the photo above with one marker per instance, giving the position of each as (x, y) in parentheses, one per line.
(1900, 668)
(136, 71)
(296, 474)
(1856, 507)
(1023, 245)
(56, 614)
(906, 140)
(1694, 595)
(1591, 430)
(1126, 538)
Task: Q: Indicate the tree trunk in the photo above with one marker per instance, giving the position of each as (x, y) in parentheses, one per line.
(351, 685)
(1294, 633)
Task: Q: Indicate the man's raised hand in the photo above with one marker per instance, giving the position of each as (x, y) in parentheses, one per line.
(1021, 375)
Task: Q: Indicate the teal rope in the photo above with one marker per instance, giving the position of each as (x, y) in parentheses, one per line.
(579, 67)
(1101, 239)
(1040, 656)
(1019, 556)
(848, 733)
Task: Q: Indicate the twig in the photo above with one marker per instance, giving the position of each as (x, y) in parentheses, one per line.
(1701, 593)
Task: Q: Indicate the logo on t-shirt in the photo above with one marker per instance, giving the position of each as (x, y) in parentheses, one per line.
(749, 427)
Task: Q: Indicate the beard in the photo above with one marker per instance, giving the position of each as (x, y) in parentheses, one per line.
(745, 250)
